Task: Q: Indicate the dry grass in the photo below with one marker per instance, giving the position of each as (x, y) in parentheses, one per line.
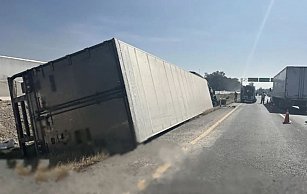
(44, 172)
(79, 165)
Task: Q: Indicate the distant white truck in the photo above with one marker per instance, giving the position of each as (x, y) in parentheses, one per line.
(10, 66)
(290, 88)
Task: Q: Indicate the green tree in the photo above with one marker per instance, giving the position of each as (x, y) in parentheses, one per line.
(219, 81)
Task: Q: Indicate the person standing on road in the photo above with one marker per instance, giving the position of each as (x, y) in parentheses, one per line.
(236, 96)
(262, 98)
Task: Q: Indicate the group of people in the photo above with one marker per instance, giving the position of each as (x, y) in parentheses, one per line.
(215, 102)
(262, 98)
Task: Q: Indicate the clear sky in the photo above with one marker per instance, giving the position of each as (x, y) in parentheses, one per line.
(244, 38)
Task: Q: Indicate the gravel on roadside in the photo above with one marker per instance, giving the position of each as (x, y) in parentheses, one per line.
(7, 122)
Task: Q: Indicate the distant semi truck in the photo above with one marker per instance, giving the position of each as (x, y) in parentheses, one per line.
(290, 88)
(248, 94)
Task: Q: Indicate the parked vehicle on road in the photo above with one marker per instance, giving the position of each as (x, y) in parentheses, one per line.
(248, 94)
(290, 88)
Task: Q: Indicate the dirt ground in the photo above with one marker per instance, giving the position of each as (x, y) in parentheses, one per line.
(7, 123)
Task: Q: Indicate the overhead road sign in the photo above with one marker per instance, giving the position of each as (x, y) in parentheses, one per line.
(264, 79)
(252, 79)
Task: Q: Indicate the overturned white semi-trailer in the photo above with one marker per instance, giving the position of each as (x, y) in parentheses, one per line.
(111, 95)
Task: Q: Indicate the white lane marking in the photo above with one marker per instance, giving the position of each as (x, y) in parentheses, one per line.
(211, 128)
(161, 170)
(142, 184)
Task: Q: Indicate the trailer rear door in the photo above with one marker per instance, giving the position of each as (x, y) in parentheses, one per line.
(292, 83)
(304, 81)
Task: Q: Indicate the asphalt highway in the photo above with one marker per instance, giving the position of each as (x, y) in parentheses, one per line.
(240, 148)
(250, 152)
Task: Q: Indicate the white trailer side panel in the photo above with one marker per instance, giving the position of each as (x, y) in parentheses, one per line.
(10, 66)
(160, 94)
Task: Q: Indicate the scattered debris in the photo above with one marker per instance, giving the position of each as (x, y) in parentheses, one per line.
(23, 170)
(296, 107)
(7, 144)
(55, 174)
(43, 171)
